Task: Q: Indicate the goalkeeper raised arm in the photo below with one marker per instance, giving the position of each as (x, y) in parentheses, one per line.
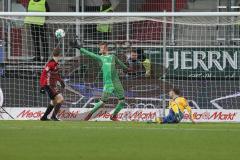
(177, 105)
(112, 83)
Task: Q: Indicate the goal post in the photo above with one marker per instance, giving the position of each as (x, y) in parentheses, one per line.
(197, 52)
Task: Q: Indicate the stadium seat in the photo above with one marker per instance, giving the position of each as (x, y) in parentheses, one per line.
(180, 4)
(147, 30)
(16, 41)
(160, 6)
(1, 34)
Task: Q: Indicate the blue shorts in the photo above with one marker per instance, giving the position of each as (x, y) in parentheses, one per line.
(172, 117)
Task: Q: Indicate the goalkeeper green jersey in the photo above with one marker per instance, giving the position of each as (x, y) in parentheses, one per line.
(108, 62)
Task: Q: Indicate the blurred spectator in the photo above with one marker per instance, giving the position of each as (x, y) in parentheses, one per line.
(104, 30)
(114, 4)
(38, 28)
(92, 5)
(17, 6)
(139, 63)
(24, 3)
(136, 5)
(16, 28)
(101, 31)
(95, 5)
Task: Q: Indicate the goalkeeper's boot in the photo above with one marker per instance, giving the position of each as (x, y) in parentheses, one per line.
(114, 118)
(88, 116)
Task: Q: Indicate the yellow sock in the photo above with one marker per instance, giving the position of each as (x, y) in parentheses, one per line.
(158, 120)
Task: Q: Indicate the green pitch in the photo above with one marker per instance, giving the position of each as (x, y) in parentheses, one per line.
(35, 140)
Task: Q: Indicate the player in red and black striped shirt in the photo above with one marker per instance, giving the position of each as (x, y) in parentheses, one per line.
(48, 82)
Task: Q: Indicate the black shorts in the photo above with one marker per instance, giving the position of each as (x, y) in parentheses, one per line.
(52, 92)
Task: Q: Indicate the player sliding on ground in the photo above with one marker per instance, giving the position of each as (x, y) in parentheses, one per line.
(48, 82)
(177, 105)
(111, 80)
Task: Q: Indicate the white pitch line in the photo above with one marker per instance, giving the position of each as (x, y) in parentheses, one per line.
(152, 128)
(119, 128)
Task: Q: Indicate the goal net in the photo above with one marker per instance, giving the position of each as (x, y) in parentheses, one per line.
(198, 54)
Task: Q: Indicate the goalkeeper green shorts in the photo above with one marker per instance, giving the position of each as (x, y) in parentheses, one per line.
(114, 88)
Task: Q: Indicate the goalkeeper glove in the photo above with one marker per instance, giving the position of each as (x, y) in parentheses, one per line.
(75, 44)
(42, 90)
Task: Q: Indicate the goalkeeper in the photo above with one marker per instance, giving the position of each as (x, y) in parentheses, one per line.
(177, 105)
(111, 80)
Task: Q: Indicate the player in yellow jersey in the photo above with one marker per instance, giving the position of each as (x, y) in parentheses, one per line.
(177, 105)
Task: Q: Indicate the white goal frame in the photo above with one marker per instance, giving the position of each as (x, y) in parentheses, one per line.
(122, 14)
(164, 15)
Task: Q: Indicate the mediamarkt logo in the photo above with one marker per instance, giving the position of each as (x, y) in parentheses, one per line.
(213, 116)
(37, 114)
(202, 60)
(137, 115)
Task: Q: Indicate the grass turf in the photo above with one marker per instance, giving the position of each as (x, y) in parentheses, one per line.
(35, 140)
